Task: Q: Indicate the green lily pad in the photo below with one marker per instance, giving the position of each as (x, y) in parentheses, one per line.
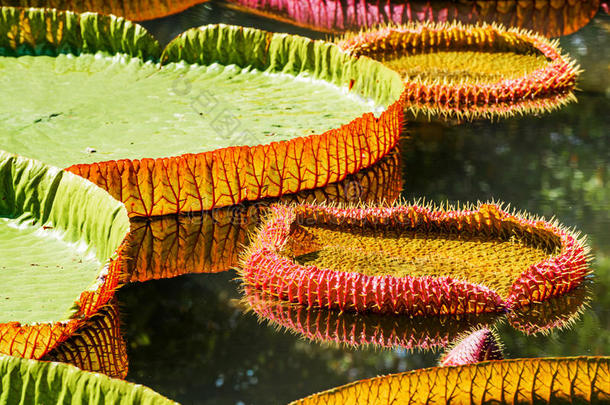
(86, 107)
(58, 238)
(24, 381)
(90, 108)
(96, 93)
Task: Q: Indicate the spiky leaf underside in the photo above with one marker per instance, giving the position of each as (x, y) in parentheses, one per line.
(569, 380)
(305, 116)
(24, 381)
(97, 345)
(73, 228)
(412, 259)
(210, 242)
(137, 10)
(549, 17)
(473, 347)
(468, 72)
(353, 329)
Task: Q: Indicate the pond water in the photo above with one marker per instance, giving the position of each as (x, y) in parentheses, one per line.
(190, 338)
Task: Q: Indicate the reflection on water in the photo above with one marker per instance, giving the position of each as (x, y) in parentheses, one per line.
(188, 340)
(409, 332)
(556, 313)
(359, 329)
(212, 241)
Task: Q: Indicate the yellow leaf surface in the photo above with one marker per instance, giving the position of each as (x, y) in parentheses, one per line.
(522, 381)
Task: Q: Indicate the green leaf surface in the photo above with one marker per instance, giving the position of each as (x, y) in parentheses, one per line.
(66, 110)
(39, 268)
(100, 95)
(56, 232)
(37, 382)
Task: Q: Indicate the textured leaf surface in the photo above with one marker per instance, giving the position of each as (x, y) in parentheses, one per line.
(551, 17)
(97, 345)
(24, 381)
(212, 241)
(576, 380)
(43, 203)
(420, 267)
(138, 10)
(32, 258)
(95, 108)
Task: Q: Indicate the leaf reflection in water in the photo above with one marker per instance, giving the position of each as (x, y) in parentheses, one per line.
(211, 241)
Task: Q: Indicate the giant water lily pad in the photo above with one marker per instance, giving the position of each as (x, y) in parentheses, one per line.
(466, 71)
(259, 114)
(24, 381)
(561, 380)
(414, 259)
(61, 240)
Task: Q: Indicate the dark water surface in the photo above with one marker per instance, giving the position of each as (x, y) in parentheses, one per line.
(189, 339)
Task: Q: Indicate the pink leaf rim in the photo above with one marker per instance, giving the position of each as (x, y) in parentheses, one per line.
(264, 268)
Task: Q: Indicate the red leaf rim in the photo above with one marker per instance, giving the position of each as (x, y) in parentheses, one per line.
(96, 346)
(542, 90)
(265, 269)
(223, 177)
